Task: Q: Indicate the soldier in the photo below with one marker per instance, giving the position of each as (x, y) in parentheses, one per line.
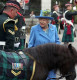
(7, 25)
(56, 16)
(68, 35)
(75, 17)
(20, 23)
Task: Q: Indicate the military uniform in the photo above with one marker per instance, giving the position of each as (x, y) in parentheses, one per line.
(7, 32)
(7, 25)
(68, 35)
(20, 34)
(56, 16)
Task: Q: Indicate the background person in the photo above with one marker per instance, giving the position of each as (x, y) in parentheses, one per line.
(7, 25)
(32, 15)
(68, 35)
(43, 33)
(56, 15)
(20, 35)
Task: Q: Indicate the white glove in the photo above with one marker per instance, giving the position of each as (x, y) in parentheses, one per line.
(16, 44)
(23, 27)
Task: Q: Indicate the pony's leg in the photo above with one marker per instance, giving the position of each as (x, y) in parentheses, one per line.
(73, 74)
(40, 73)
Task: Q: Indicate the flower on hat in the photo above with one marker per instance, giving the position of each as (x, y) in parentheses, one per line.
(46, 13)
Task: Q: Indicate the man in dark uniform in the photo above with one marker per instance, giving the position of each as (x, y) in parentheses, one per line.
(56, 15)
(20, 34)
(7, 25)
(20, 23)
(68, 35)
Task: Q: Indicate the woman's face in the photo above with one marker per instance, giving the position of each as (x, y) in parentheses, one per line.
(43, 22)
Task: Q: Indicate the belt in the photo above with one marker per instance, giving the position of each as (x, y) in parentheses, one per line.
(2, 43)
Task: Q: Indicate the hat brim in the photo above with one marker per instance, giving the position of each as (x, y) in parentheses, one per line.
(68, 5)
(46, 17)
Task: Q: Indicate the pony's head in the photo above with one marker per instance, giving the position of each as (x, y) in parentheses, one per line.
(68, 65)
(73, 52)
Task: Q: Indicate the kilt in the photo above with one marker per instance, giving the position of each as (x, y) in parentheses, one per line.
(12, 66)
(68, 38)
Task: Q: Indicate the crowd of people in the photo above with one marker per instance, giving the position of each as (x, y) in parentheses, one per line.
(12, 28)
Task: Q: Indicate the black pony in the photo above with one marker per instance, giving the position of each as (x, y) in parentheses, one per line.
(53, 56)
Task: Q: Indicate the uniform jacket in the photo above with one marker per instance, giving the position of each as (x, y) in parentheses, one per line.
(68, 30)
(38, 36)
(19, 23)
(56, 16)
(69, 14)
(7, 32)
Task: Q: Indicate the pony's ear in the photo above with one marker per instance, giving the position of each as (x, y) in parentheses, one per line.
(70, 48)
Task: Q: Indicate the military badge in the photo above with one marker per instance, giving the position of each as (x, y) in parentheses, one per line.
(15, 73)
(17, 66)
(12, 32)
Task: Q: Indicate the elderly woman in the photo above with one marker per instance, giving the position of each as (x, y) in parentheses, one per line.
(43, 33)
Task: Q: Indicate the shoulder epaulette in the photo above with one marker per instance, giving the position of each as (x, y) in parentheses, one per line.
(6, 21)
